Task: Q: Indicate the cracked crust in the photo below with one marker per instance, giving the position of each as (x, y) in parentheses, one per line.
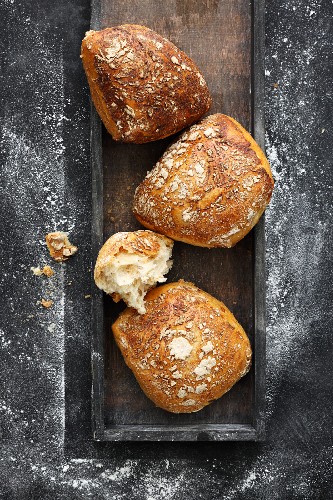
(186, 351)
(210, 187)
(143, 87)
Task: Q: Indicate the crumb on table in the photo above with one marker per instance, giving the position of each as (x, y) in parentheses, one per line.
(37, 271)
(59, 246)
(46, 303)
(46, 271)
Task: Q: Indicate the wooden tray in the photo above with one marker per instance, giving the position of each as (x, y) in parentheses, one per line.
(226, 40)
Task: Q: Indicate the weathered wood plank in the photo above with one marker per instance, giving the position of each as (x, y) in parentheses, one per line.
(208, 432)
(218, 36)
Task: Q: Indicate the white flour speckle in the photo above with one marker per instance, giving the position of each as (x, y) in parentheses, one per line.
(295, 461)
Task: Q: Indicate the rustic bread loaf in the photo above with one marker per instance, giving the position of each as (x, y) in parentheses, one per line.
(209, 188)
(143, 87)
(129, 264)
(186, 351)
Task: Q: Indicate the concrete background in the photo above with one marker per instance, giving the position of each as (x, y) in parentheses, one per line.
(46, 446)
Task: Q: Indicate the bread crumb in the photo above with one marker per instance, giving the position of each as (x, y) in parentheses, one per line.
(87, 296)
(47, 271)
(46, 303)
(37, 271)
(59, 246)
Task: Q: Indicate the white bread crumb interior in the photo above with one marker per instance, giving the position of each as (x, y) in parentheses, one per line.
(129, 264)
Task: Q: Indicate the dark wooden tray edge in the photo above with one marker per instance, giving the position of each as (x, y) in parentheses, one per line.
(97, 316)
(209, 432)
(258, 131)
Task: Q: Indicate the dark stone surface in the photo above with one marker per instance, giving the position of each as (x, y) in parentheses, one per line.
(47, 451)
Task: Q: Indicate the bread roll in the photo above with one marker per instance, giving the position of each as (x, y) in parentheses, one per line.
(129, 264)
(209, 188)
(143, 87)
(186, 351)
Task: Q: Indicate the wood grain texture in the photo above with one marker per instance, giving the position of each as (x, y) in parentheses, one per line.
(218, 36)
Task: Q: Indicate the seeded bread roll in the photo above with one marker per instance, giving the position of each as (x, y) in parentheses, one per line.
(143, 87)
(129, 264)
(186, 351)
(209, 188)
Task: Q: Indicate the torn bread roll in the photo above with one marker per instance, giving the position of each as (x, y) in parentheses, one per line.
(129, 264)
(210, 187)
(143, 87)
(186, 351)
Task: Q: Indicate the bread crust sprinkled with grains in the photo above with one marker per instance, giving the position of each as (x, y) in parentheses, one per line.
(210, 187)
(186, 351)
(143, 87)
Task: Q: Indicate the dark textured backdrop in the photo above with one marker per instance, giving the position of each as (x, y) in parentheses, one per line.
(47, 451)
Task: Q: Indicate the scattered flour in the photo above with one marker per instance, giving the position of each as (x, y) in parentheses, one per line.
(292, 459)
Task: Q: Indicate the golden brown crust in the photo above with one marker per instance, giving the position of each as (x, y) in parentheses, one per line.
(46, 303)
(59, 246)
(209, 188)
(143, 87)
(186, 351)
(48, 271)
